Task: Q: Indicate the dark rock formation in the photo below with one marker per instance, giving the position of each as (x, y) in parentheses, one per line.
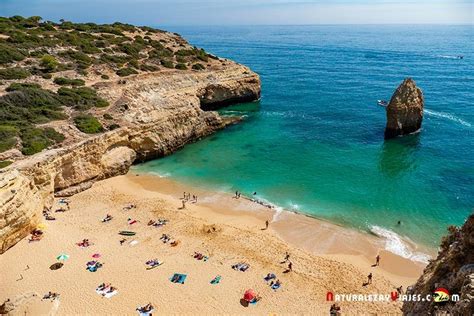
(405, 110)
(453, 270)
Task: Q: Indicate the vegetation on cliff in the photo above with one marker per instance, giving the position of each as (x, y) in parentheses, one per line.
(68, 56)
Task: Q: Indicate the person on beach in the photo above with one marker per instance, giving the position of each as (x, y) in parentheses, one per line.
(377, 260)
(122, 241)
(290, 266)
(184, 204)
(266, 224)
(400, 290)
(369, 278)
(287, 256)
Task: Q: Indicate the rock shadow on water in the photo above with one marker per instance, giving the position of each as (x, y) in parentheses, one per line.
(398, 155)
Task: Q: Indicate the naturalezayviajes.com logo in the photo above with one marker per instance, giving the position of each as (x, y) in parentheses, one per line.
(440, 295)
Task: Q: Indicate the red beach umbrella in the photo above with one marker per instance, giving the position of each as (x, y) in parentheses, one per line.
(96, 255)
(249, 295)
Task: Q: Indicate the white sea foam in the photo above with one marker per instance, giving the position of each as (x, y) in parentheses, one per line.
(449, 56)
(448, 116)
(160, 175)
(395, 244)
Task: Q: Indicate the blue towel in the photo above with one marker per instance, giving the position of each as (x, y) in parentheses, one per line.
(181, 278)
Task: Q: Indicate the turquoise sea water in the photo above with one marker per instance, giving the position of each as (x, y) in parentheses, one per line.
(314, 143)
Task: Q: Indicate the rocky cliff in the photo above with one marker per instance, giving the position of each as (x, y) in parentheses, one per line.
(21, 205)
(156, 113)
(405, 110)
(453, 270)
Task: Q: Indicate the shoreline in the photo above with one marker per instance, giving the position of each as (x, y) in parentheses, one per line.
(309, 233)
(225, 229)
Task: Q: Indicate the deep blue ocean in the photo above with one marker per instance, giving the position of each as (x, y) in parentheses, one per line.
(314, 143)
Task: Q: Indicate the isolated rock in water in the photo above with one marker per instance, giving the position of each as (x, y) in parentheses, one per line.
(452, 270)
(405, 110)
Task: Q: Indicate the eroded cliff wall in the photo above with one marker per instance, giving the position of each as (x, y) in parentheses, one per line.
(158, 114)
(453, 270)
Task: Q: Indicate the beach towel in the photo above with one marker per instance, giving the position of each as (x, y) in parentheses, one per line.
(216, 280)
(276, 286)
(110, 294)
(178, 278)
(144, 313)
(133, 242)
(269, 277)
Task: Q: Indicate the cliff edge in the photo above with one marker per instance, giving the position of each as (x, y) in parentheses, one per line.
(98, 99)
(452, 270)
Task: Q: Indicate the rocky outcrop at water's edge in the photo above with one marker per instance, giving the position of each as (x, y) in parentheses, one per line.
(405, 110)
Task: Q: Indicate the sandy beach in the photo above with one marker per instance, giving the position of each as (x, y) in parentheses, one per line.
(325, 257)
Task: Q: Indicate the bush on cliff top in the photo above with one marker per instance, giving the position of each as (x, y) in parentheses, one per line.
(124, 72)
(88, 124)
(81, 98)
(34, 140)
(69, 82)
(14, 73)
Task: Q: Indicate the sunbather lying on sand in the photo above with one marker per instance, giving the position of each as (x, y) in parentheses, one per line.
(158, 223)
(200, 256)
(51, 296)
(241, 266)
(147, 309)
(165, 238)
(269, 277)
(36, 235)
(107, 218)
(84, 243)
(129, 207)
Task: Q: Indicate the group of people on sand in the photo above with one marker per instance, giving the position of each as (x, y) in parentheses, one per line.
(36, 235)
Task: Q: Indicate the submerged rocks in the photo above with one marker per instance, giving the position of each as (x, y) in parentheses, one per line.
(405, 110)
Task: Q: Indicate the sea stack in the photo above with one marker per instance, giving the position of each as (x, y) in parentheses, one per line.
(405, 110)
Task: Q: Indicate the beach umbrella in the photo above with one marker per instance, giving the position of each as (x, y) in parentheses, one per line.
(249, 295)
(96, 255)
(62, 257)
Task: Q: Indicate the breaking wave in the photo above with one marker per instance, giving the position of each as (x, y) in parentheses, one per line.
(395, 244)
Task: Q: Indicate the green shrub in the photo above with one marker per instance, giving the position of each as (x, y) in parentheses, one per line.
(124, 72)
(167, 63)
(148, 67)
(81, 98)
(181, 66)
(9, 54)
(5, 163)
(107, 116)
(114, 59)
(88, 124)
(134, 63)
(7, 137)
(68, 82)
(198, 66)
(49, 63)
(14, 73)
(19, 86)
(105, 77)
(26, 104)
(34, 140)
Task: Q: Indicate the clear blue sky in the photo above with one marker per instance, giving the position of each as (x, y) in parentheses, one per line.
(248, 12)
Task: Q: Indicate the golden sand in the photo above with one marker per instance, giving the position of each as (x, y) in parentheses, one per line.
(325, 257)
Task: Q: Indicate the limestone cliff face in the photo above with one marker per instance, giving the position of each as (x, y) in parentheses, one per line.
(157, 114)
(453, 270)
(21, 206)
(405, 110)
